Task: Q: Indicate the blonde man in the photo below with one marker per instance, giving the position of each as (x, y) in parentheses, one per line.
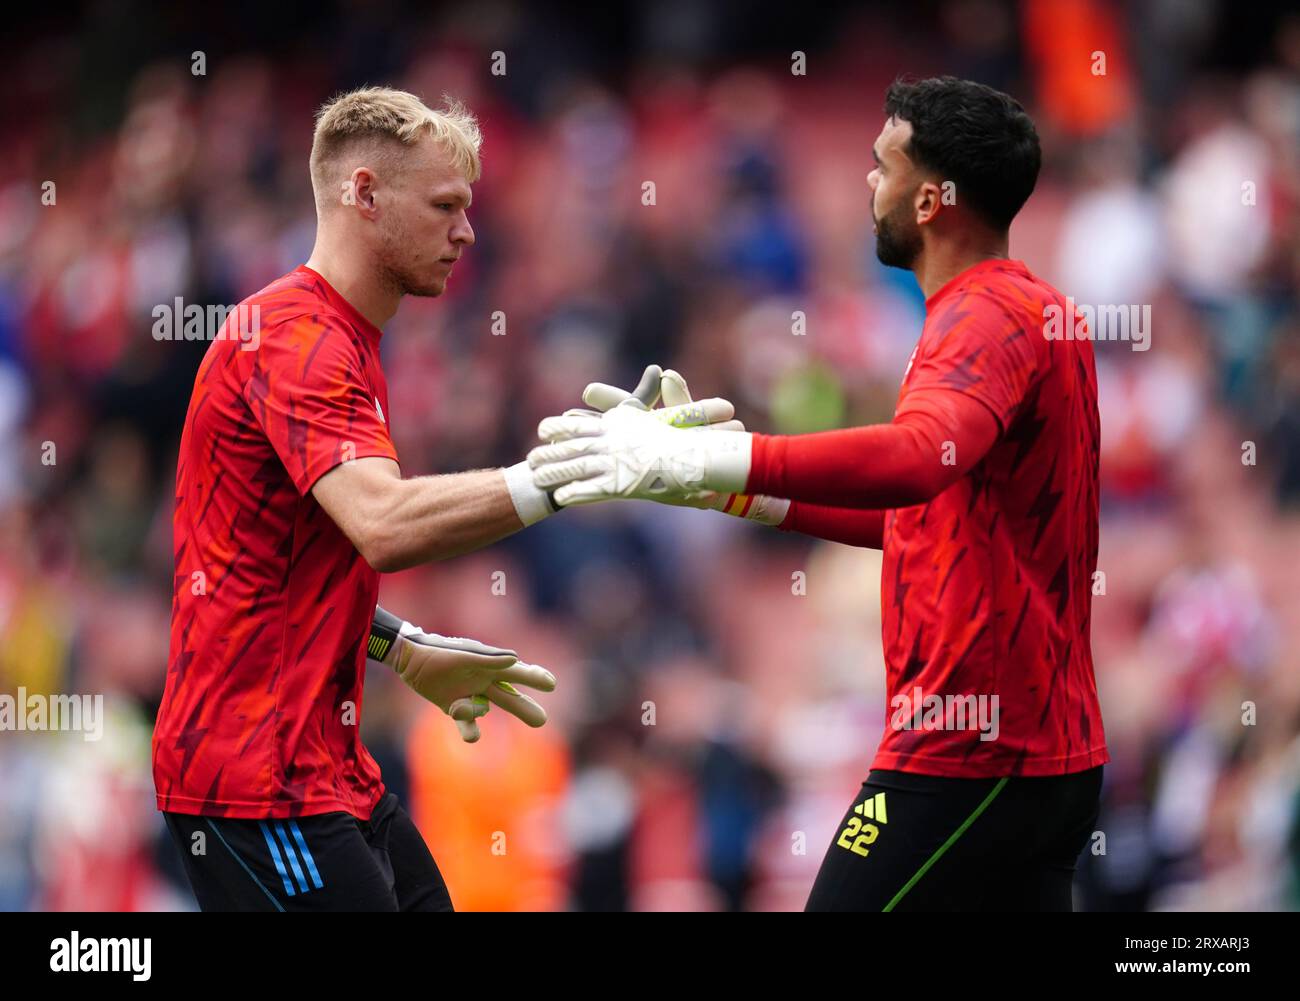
(289, 504)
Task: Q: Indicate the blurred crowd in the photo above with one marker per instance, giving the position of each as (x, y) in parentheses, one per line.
(721, 684)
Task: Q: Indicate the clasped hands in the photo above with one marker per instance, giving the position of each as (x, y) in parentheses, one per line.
(685, 452)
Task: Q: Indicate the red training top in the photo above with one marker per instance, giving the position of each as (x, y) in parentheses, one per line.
(989, 478)
(261, 712)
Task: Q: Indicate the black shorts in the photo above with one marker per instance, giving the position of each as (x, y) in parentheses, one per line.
(325, 862)
(928, 843)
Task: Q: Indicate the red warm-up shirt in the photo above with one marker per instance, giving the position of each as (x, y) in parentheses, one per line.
(987, 585)
(272, 604)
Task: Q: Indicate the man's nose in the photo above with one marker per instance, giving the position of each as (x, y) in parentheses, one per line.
(463, 232)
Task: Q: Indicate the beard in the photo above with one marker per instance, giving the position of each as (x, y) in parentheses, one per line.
(898, 239)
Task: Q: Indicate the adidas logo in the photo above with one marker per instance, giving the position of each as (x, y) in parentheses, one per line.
(873, 809)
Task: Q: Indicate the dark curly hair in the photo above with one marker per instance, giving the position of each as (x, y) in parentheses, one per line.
(977, 137)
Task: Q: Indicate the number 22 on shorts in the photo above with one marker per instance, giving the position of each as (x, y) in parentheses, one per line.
(858, 832)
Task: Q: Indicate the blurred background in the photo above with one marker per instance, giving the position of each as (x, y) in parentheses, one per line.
(712, 720)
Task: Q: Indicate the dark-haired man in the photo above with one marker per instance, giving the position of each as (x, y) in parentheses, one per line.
(983, 494)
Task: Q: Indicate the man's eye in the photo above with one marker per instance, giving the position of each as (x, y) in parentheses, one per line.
(444, 205)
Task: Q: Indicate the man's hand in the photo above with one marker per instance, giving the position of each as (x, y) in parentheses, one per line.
(678, 408)
(462, 677)
(629, 453)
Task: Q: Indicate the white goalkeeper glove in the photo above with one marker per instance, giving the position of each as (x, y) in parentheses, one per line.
(678, 409)
(593, 457)
(533, 503)
(681, 411)
(462, 677)
(628, 453)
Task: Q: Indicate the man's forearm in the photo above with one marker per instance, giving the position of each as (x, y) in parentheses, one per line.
(435, 517)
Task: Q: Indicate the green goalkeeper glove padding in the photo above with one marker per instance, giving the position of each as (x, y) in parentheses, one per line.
(462, 677)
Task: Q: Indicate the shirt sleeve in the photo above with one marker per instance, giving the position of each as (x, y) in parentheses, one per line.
(864, 527)
(926, 448)
(981, 352)
(309, 394)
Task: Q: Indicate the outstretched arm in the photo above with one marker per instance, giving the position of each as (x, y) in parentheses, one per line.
(931, 444)
(397, 523)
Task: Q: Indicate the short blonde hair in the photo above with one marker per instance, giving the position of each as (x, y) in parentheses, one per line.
(383, 113)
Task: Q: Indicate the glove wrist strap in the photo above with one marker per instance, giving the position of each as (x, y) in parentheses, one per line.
(385, 627)
(532, 504)
(755, 507)
(729, 459)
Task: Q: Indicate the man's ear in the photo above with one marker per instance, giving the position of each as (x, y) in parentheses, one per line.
(363, 191)
(928, 200)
